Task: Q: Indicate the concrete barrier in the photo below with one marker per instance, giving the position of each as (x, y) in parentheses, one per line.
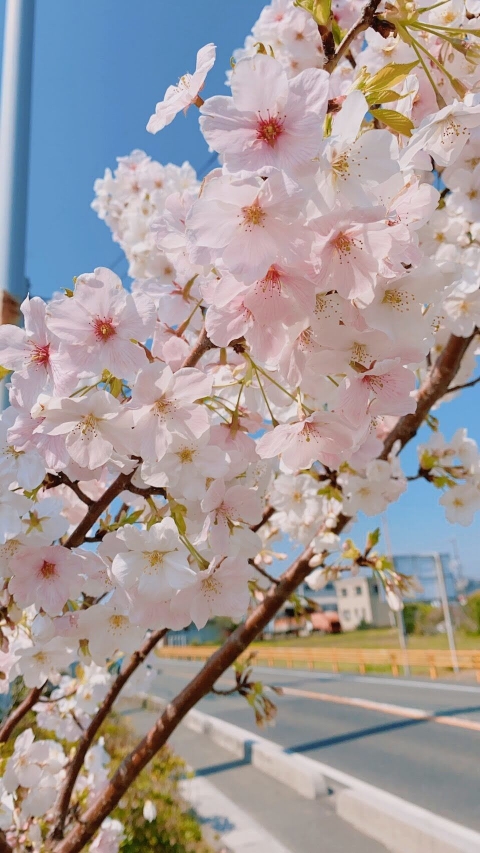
(298, 772)
(401, 826)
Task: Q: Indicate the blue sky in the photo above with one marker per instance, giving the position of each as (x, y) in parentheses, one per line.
(100, 66)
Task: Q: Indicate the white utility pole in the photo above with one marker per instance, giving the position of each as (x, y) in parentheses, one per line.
(402, 634)
(15, 105)
(446, 610)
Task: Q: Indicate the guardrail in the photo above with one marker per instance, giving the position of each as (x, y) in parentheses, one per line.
(336, 659)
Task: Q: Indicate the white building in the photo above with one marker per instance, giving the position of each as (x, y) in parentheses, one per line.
(360, 598)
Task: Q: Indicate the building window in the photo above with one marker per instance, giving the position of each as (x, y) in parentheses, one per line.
(358, 590)
(375, 588)
(344, 592)
(346, 615)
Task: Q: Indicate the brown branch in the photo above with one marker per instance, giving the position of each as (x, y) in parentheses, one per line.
(364, 22)
(148, 492)
(435, 386)
(95, 510)
(76, 764)
(267, 514)
(201, 347)
(4, 845)
(61, 479)
(19, 712)
(201, 684)
(465, 385)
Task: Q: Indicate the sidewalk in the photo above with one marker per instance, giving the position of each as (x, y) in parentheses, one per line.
(291, 821)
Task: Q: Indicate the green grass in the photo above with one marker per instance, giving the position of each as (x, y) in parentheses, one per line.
(374, 638)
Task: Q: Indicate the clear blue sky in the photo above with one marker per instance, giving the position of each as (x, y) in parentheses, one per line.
(100, 66)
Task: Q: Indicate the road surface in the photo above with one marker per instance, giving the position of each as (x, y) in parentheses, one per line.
(434, 764)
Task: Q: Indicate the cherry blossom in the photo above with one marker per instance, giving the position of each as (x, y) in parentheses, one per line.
(248, 223)
(323, 437)
(101, 324)
(45, 576)
(94, 425)
(221, 589)
(185, 93)
(226, 507)
(164, 403)
(156, 560)
(269, 120)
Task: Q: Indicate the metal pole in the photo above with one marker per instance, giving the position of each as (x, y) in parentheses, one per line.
(402, 634)
(14, 152)
(446, 611)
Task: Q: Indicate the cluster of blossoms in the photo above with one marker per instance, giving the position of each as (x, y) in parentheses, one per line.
(282, 316)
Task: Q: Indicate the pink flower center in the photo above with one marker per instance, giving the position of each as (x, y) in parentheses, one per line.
(48, 570)
(272, 280)
(40, 354)
(342, 244)
(103, 328)
(253, 215)
(269, 129)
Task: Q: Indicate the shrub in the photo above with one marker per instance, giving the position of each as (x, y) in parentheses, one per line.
(175, 828)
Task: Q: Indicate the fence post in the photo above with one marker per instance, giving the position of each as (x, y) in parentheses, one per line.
(394, 664)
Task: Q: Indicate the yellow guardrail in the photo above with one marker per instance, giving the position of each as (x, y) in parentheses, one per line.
(302, 657)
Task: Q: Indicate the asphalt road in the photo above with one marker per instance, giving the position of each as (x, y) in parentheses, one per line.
(433, 765)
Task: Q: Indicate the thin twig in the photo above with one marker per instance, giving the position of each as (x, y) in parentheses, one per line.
(201, 347)
(364, 22)
(4, 845)
(19, 712)
(465, 385)
(96, 509)
(76, 764)
(434, 388)
(61, 479)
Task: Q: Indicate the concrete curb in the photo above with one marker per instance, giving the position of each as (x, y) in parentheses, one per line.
(398, 827)
(396, 823)
(298, 772)
(235, 830)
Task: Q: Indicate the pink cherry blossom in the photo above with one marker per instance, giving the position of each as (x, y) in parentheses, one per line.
(250, 224)
(384, 389)
(270, 120)
(185, 93)
(347, 251)
(222, 589)
(33, 353)
(46, 576)
(323, 436)
(163, 403)
(94, 425)
(226, 507)
(100, 323)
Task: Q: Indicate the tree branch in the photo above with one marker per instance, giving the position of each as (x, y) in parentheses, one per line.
(364, 22)
(201, 347)
(61, 479)
(19, 712)
(201, 684)
(465, 385)
(267, 514)
(435, 386)
(95, 510)
(76, 764)
(4, 845)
